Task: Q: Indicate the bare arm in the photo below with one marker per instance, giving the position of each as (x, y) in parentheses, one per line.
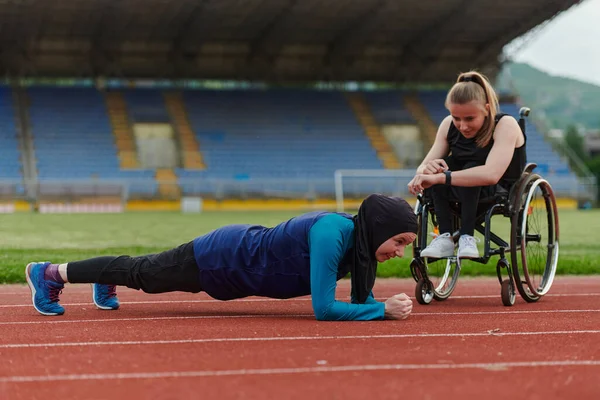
(440, 148)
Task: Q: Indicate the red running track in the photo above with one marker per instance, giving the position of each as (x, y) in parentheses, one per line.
(177, 346)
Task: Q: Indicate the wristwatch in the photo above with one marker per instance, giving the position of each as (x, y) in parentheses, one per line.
(448, 177)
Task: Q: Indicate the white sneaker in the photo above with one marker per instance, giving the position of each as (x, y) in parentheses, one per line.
(441, 246)
(467, 247)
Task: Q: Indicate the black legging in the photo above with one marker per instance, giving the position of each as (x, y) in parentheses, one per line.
(468, 197)
(169, 271)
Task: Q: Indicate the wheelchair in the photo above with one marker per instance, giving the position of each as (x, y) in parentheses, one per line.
(529, 257)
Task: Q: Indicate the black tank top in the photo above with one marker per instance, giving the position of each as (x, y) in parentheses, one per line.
(465, 151)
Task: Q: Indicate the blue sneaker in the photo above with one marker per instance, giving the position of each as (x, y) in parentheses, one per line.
(105, 296)
(44, 294)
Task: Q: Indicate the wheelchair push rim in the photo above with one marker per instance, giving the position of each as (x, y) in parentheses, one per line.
(444, 287)
(530, 254)
(535, 240)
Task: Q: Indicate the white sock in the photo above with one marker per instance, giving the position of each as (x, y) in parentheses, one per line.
(62, 270)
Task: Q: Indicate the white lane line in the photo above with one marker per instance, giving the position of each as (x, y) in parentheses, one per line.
(488, 296)
(415, 314)
(305, 370)
(291, 338)
(172, 302)
(503, 312)
(259, 300)
(87, 321)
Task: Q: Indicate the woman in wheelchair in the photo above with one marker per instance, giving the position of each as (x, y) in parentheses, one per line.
(476, 149)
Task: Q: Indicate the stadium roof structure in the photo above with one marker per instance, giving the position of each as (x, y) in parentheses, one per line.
(263, 40)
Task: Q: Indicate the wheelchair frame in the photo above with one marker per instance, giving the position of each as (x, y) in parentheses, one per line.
(517, 205)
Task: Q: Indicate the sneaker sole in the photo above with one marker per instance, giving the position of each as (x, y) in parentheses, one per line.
(101, 307)
(436, 256)
(468, 255)
(33, 292)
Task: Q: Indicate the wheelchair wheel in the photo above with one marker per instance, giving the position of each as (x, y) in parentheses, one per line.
(441, 273)
(507, 292)
(534, 238)
(424, 291)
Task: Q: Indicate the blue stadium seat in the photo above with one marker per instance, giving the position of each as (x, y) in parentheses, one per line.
(146, 105)
(10, 163)
(276, 134)
(73, 138)
(434, 103)
(388, 107)
(550, 164)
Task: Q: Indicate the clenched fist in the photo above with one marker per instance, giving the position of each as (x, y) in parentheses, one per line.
(398, 307)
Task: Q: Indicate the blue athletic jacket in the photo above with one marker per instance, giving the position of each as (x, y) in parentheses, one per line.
(305, 255)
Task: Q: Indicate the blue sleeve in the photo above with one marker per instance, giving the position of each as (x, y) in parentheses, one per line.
(328, 242)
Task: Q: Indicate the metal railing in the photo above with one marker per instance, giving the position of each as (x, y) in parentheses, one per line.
(66, 190)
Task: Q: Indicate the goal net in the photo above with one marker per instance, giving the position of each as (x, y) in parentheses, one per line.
(353, 185)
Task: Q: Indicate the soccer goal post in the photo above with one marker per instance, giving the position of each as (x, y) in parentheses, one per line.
(353, 185)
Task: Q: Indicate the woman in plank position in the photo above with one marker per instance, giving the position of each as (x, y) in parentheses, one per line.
(305, 255)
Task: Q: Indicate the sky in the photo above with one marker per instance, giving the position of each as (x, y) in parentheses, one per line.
(568, 45)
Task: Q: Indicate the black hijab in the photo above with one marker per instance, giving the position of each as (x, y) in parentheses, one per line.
(379, 218)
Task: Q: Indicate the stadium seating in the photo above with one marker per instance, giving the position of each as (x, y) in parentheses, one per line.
(276, 135)
(550, 164)
(10, 164)
(434, 103)
(388, 107)
(538, 150)
(73, 138)
(146, 105)
(253, 141)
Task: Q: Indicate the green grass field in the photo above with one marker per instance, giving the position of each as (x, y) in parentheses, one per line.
(63, 238)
